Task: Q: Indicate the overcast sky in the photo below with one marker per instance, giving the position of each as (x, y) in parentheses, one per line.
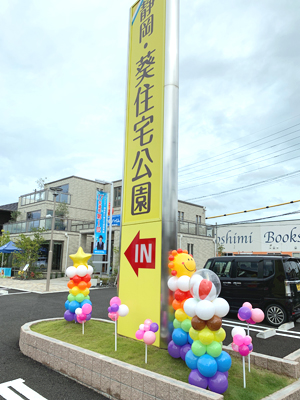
(62, 99)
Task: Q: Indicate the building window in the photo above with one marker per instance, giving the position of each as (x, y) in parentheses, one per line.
(190, 248)
(180, 215)
(117, 196)
(33, 215)
(198, 219)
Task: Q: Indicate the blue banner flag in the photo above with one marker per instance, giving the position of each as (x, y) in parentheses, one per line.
(101, 223)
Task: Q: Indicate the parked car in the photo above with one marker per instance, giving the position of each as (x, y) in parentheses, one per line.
(271, 283)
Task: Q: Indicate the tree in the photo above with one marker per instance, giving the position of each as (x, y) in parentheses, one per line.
(220, 249)
(14, 215)
(62, 210)
(31, 249)
(4, 238)
(41, 183)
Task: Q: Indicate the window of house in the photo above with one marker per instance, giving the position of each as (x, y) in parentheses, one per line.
(180, 215)
(190, 248)
(198, 219)
(33, 215)
(117, 196)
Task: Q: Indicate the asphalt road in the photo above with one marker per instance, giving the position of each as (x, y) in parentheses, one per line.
(16, 310)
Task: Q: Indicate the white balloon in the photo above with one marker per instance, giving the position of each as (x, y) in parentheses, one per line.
(189, 307)
(90, 270)
(194, 285)
(238, 330)
(78, 311)
(71, 272)
(205, 310)
(123, 310)
(172, 283)
(81, 270)
(222, 307)
(141, 327)
(184, 283)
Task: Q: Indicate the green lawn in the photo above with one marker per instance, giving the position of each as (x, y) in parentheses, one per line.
(99, 337)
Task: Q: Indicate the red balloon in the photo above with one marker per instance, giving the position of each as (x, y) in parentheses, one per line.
(179, 295)
(204, 288)
(76, 279)
(86, 278)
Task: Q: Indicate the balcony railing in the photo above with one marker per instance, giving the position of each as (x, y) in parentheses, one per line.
(61, 224)
(43, 195)
(192, 228)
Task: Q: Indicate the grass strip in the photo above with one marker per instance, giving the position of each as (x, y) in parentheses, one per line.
(99, 337)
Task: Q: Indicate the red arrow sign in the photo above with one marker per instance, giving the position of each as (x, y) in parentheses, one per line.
(141, 253)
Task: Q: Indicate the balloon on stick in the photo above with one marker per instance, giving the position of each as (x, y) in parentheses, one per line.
(146, 332)
(116, 310)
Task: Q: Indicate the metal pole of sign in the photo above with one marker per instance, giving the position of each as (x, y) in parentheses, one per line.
(110, 227)
(216, 240)
(170, 155)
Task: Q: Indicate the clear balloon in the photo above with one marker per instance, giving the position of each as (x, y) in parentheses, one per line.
(205, 285)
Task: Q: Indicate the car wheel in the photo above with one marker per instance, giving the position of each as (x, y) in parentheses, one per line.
(275, 315)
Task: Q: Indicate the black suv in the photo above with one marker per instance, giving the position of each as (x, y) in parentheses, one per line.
(271, 283)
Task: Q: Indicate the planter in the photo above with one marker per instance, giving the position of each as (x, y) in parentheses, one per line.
(94, 282)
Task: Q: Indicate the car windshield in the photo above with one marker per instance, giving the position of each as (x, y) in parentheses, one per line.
(292, 269)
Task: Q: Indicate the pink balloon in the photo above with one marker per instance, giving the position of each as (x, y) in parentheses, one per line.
(244, 350)
(115, 300)
(250, 321)
(146, 327)
(257, 315)
(247, 340)
(80, 320)
(86, 308)
(235, 347)
(139, 334)
(82, 317)
(241, 319)
(249, 305)
(149, 337)
(148, 321)
(238, 339)
(114, 316)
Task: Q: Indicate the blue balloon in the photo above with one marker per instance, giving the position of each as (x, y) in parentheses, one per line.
(67, 304)
(191, 360)
(171, 327)
(190, 340)
(179, 337)
(207, 366)
(223, 361)
(85, 302)
(73, 305)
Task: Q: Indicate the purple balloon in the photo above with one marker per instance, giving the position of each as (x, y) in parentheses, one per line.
(226, 374)
(250, 346)
(114, 308)
(174, 350)
(109, 309)
(245, 313)
(184, 349)
(154, 327)
(218, 383)
(88, 316)
(69, 316)
(197, 379)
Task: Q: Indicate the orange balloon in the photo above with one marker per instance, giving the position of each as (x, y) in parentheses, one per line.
(89, 284)
(176, 304)
(82, 285)
(71, 284)
(182, 303)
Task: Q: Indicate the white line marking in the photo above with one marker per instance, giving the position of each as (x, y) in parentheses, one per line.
(19, 386)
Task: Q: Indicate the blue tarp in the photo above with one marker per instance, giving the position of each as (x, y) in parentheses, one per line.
(9, 248)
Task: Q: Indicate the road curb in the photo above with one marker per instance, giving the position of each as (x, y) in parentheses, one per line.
(118, 380)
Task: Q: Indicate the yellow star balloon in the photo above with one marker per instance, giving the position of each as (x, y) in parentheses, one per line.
(80, 258)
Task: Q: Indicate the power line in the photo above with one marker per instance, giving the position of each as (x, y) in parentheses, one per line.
(247, 186)
(254, 209)
(243, 156)
(258, 219)
(253, 161)
(236, 148)
(231, 176)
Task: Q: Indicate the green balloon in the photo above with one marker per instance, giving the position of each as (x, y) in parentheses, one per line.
(71, 297)
(176, 323)
(214, 349)
(79, 297)
(198, 348)
(186, 325)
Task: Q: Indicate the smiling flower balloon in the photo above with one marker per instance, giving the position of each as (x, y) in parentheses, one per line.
(181, 263)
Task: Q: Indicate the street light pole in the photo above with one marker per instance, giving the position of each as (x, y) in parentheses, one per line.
(55, 193)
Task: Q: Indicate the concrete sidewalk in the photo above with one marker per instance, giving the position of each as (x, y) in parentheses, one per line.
(39, 286)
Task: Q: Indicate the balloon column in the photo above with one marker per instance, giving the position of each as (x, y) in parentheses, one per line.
(242, 344)
(198, 334)
(251, 316)
(116, 310)
(146, 332)
(78, 306)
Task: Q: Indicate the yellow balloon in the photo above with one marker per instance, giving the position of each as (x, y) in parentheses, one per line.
(193, 333)
(75, 291)
(220, 335)
(86, 292)
(180, 315)
(206, 336)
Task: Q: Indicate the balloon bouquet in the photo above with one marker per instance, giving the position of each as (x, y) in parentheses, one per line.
(78, 306)
(198, 334)
(116, 310)
(146, 332)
